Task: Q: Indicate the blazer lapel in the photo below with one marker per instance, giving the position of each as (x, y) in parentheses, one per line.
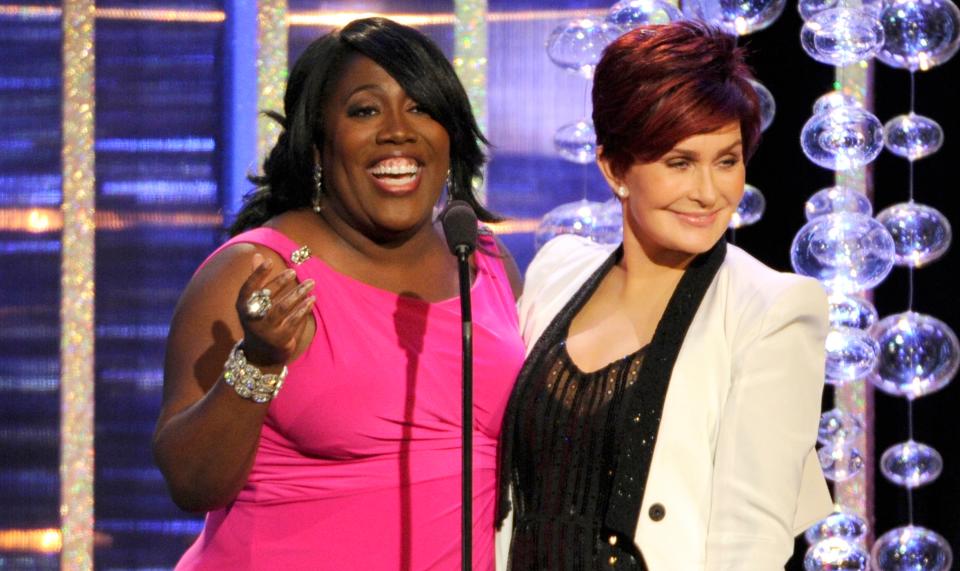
(642, 415)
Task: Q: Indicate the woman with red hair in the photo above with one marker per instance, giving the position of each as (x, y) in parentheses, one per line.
(666, 415)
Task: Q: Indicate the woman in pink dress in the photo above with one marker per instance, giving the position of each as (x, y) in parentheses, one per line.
(312, 382)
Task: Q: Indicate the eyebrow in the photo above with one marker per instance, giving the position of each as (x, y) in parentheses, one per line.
(364, 87)
(688, 152)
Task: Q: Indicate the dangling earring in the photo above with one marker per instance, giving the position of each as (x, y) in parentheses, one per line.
(622, 191)
(318, 183)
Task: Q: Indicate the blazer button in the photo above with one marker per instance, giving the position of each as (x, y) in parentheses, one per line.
(657, 512)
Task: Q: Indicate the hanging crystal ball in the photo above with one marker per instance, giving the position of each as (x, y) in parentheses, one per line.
(920, 34)
(580, 218)
(836, 553)
(910, 548)
(846, 252)
(838, 524)
(736, 17)
(919, 354)
(630, 14)
(851, 311)
(840, 462)
(609, 226)
(837, 199)
(838, 427)
(921, 234)
(834, 99)
(841, 36)
(912, 136)
(911, 464)
(768, 107)
(576, 142)
(577, 45)
(750, 209)
(851, 354)
(810, 8)
(842, 138)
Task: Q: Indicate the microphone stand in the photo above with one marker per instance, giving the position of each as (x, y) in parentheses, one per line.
(460, 229)
(466, 319)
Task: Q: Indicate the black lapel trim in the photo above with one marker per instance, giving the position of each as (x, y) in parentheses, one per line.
(642, 415)
(547, 339)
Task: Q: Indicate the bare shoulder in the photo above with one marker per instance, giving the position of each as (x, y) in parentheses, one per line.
(511, 268)
(205, 324)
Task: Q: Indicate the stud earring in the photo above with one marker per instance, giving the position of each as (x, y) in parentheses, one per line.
(318, 183)
(622, 191)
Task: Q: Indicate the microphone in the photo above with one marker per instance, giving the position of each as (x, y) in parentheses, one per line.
(460, 228)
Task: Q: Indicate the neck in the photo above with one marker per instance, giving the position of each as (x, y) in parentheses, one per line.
(647, 268)
(384, 248)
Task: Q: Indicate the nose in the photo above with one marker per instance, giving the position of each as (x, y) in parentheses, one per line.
(706, 190)
(396, 129)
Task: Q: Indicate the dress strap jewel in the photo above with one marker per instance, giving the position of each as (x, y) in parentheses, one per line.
(300, 255)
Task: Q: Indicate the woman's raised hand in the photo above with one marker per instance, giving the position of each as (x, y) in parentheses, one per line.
(270, 336)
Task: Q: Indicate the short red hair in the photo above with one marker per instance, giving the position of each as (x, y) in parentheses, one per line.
(657, 85)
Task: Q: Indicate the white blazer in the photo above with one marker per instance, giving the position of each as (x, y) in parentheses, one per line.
(734, 474)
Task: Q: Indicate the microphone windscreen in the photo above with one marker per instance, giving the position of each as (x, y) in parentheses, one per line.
(459, 226)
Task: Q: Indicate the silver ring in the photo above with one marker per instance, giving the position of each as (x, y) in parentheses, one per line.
(258, 304)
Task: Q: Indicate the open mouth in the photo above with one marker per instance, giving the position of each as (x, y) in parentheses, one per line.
(396, 174)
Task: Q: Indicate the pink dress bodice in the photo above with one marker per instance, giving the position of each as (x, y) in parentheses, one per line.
(359, 460)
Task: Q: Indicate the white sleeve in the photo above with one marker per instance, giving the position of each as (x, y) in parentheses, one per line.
(768, 428)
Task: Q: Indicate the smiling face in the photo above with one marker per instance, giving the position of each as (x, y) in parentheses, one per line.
(384, 158)
(680, 205)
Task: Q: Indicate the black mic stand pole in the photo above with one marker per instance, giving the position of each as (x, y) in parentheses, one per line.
(460, 229)
(467, 357)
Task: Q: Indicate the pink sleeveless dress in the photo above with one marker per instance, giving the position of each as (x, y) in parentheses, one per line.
(359, 460)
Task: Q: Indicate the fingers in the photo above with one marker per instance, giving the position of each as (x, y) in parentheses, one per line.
(271, 336)
(261, 269)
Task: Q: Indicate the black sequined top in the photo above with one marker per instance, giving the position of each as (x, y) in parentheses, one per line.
(566, 450)
(638, 421)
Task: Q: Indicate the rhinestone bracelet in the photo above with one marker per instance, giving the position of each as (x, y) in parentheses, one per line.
(250, 382)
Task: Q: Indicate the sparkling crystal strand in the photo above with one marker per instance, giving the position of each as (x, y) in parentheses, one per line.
(836, 553)
(847, 252)
(580, 217)
(842, 138)
(577, 45)
(919, 354)
(911, 464)
(851, 354)
(768, 106)
(629, 14)
(742, 17)
(921, 234)
(838, 427)
(841, 36)
(910, 548)
(836, 199)
(920, 34)
(576, 142)
(912, 136)
(840, 524)
(834, 99)
(750, 209)
(840, 462)
(851, 311)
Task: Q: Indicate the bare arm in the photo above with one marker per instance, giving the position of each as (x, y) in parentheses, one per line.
(206, 436)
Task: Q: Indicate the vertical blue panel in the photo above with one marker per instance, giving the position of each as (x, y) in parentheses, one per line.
(240, 101)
